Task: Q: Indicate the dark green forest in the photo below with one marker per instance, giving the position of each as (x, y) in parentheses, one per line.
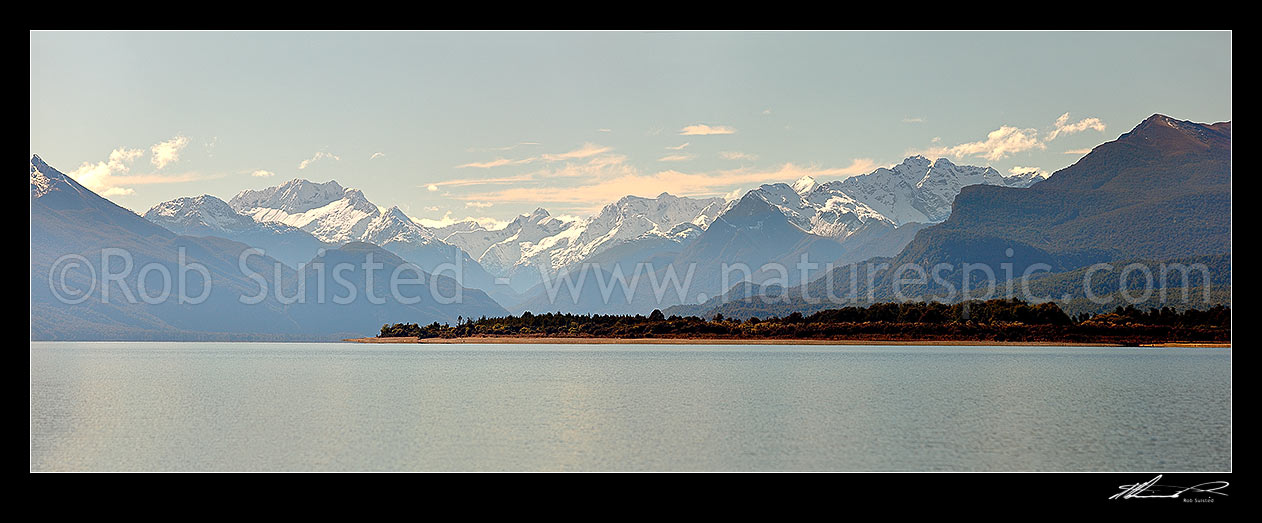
(993, 320)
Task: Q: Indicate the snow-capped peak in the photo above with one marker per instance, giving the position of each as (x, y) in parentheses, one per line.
(804, 185)
(203, 214)
(332, 213)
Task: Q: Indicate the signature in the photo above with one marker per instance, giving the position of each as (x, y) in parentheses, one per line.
(1151, 489)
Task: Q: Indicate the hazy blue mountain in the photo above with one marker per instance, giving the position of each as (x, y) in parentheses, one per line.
(416, 297)
(69, 219)
(337, 215)
(207, 215)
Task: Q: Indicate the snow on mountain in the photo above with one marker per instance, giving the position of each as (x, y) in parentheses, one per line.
(820, 210)
(201, 215)
(339, 215)
(540, 241)
(41, 184)
(207, 215)
(393, 226)
(804, 185)
(631, 218)
(916, 190)
(326, 210)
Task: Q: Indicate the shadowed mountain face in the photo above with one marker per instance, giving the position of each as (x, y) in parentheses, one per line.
(1160, 192)
(209, 216)
(70, 223)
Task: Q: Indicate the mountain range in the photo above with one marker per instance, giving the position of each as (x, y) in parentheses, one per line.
(1160, 191)
(101, 272)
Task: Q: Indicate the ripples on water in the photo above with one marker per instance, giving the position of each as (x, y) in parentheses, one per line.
(247, 406)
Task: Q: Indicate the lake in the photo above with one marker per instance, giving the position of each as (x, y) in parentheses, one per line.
(340, 406)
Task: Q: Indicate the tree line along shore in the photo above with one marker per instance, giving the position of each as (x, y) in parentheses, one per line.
(998, 321)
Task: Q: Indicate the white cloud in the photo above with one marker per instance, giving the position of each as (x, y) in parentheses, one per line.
(703, 129)
(113, 176)
(1084, 150)
(737, 155)
(1008, 140)
(679, 147)
(675, 158)
(914, 120)
(375, 156)
(101, 176)
(493, 163)
(168, 152)
(1064, 127)
(1027, 170)
(479, 205)
(262, 174)
(604, 130)
(766, 111)
(318, 156)
(432, 188)
(999, 144)
(448, 219)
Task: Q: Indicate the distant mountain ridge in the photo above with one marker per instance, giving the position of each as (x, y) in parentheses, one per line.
(874, 214)
(70, 222)
(1159, 192)
(209, 216)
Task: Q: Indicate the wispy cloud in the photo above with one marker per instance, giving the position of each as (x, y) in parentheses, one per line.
(467, 182)
(479, 205)
(1062, 126)
(626, 181)
(679, 147)
(502, 148)
(168, 152)
(318, 156)
(675, 158)
(737, 155)
(913, 120)
(375, 156)
(262, 174)
(498, 162)
(1084, 150)
(703, 129)
(588, 150)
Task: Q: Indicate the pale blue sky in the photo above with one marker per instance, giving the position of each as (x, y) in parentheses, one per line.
(592, 116)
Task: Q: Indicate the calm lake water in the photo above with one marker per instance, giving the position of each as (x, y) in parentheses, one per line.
(337, 406)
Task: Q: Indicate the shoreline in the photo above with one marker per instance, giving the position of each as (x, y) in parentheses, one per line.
(542, 340)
